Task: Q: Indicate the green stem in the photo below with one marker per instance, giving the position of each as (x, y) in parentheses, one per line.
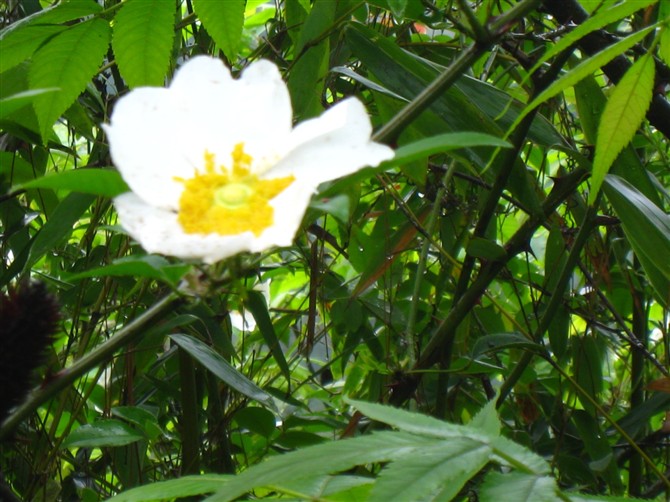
(83, 365)
(554, 302)
(189, 415)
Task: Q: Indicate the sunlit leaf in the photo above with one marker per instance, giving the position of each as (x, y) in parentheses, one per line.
(62, 63)
(103, 182)
(582, 70)
(142, 41)
(224, 22)
(622, 116)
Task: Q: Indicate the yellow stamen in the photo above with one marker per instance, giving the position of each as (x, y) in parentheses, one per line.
(228, 201)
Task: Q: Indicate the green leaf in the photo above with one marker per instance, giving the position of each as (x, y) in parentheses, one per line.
(102, 433)
(68, 61)
(57, 14)
(20, 44)
(103, 182)
(582, 70)
(416, 423)
(485, 249)
(397, 7)
(599, 20)
(501, 341)
(222, 369)
(444, 468)
(14, 102)
(142, 41)
(149, 267)
(185, 486)
(259, 309)
(518, 487)
(326, 458)
(224, 22)
(622, 116)
(306, 80)
(646, 226)
(424, 148)
(59, 225)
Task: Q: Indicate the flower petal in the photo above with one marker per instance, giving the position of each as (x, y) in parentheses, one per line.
(158, 134)
(158, 231)
(331, 146)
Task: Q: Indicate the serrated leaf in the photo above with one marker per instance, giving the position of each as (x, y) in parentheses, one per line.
(600, 19)
(103, 182)
(518, 487)
(67, 61)
(224, 22)
(487, 419)
(664, 43)
(582, 70)
(436, 473)
(19, 45)
(416, 423)
(142, 41)
(103, 433)
(222, 369)
(326, 458)
(57, 14)
(185, 486)
(621, 118)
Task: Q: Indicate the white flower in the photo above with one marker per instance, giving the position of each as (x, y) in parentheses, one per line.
(215, 166)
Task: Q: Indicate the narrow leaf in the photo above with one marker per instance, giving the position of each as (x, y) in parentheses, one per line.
(424, 148)
(14, 102)
(222, 369)
(68, 61)
(59, 225)
(103, 182)
(148, 267)
(582, 70)
(259, 309)
(142, 41)
(622, 116)
(103, 433)
(600, 19)
(224, 22)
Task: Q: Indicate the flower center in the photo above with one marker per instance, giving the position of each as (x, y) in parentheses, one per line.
(233, 195)
(228, 201)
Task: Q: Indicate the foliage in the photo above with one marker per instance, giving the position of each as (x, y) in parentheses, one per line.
(512, 312)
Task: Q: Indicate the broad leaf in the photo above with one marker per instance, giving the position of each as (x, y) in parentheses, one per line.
(518, 487)
(148, 267)
(441, 470)
(142, 41)
(185, 486)
(17, 101)
(623, 114)
(68, 61)
(224, 22)
(20, 44)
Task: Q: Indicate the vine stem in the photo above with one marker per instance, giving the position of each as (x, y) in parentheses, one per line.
(83, 365)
